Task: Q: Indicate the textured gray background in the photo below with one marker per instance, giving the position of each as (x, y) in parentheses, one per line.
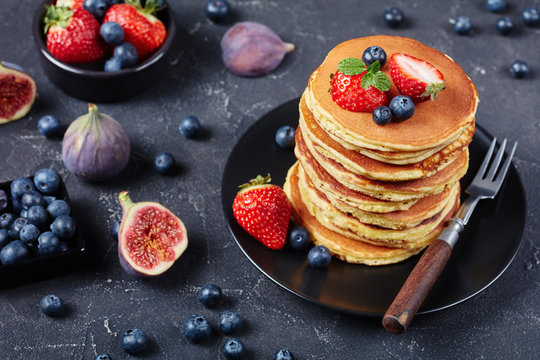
(502, 322)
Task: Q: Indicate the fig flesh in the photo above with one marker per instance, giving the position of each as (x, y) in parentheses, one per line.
(150, 239)
(17, 92)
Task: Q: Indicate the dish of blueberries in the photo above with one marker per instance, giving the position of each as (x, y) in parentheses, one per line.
(485, 249)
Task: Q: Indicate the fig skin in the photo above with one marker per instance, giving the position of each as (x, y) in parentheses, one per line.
(95, 146)
(17, 92)
(131, 220)
(252, 49)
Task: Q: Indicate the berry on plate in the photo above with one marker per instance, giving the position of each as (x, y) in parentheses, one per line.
(96, 7)
(127, 54)
(14, 252)
(382, 115)
(285, 137)
(319, 257)
(112, 32)
(46, 180)
(402, 107)
(372, 54)
(299, 238)
(52, 305)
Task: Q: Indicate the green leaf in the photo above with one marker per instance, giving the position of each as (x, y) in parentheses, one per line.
(376, 78)
(374, 67)
(351, 66)
(433, 89)
(382, 82)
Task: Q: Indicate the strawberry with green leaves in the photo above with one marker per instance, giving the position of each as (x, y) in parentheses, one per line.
(358, 89)
(263, 210)
(72, 4)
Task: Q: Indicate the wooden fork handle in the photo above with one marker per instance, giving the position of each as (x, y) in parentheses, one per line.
(412, 294)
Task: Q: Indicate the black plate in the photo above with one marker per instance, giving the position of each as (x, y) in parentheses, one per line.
(484, 251)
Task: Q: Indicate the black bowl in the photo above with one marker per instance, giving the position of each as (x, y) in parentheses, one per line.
(89, 82)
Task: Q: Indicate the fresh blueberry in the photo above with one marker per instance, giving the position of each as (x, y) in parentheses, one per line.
(112, 32)
(4, 238)
(52, 305)
(64, 246)
(16, 227)
(23, 213)
(64, 227)
(103, 357)
(49, 199)
(299, 238)
(38, 216)
(19, 186)
(495, 5)
(217, 10)
(196, 328)
(319, 257)
(164, 163)
(14, 252)
(393, 17)
(530, 16)
(114, 2)
(234, 349)
(382, 115)
(402, 107)
(32, 198)
(285, 137)
(229, 321)
(46, 180)
(519, 69)
(16, 204)
(372, 54)
(463, 25)
(505, 25)
(135, 341)
(210, 295)
(29, 234)
(96, 7)
(127, 53)
(48, 243)
(58, 208)
(189, 126)
(284, 354)
(3, 200)
(49, 126)
(113, 64)
(6, 219)
(114, 230)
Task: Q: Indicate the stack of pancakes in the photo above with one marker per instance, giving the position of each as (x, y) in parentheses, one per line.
(379, 194)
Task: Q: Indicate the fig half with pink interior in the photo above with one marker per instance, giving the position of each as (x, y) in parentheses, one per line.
(17, 92)
(151, 238)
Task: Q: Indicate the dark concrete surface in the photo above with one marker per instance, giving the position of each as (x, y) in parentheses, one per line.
(503, 322)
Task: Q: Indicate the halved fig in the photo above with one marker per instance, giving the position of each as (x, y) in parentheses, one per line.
(17, 92)
(151, 238)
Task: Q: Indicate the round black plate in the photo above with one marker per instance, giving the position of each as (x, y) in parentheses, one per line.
(484, 251)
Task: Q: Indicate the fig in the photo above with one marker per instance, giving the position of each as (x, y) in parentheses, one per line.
(150, 239)
(252, 49)
(95, 146)
(17, 92)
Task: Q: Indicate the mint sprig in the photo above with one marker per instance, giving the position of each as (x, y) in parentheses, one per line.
(351, 66)
(375, 77)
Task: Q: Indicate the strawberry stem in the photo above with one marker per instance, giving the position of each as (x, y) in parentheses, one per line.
(259, 180)
(56, 16)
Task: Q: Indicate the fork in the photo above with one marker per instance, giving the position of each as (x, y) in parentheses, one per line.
(485, 185)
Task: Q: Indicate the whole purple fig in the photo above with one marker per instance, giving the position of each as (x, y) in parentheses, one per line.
(95, 146)
(252, 49)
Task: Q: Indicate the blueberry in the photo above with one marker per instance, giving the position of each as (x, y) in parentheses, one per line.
(64, 227)
(49, 199)
(29, 234)
(402, 107)
(14, 252)
(19, 186)
(38, 216)
(229, 321)
(3, 200)
(48, 243)
(63, 246)
(234, 349)
(23, 213)
(285, 137)
(103, 357)
(210, 295)
(319, 257)
(112, 32)
(519, 69)
(504, 25)
(495, 5)
(189, 126)
(530, 16)
(49, 126)
(4, 238)
(46, 180)
(113, 64)
(196, 328)
(372, 54)
(127, 53)
(382, 115)
(96, 7)
(284, 354)
(393, 17)
(217, 10)
(114, 230)
(16, 204)
(52, 305)
(58, 208)
(164, 163)
(32, 198)
(299, 238)
(16, 227)
(135, 341)
(463, 25)
(6, 219)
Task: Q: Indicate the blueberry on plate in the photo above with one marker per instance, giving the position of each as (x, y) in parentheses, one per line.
(402, 107)
(519, 69)
(505, 25)
(52, 305)
(103, 357)
(530, 16)
(285, 137)
(96, 7)
(393, 17)
(23, 213)
(113, 64)
(58, 208)
(4, 238)
(164, 163)
(229, 321)
(49, 126)
(319, 257)
(234, 349)
(217, 10)
(127, 53)
(16, 227)
(14, 252)
(283, 354)
(64, 227)
(6, 219)
(495, 5)
(19, 186)
(3, 200)
(463, 25)
(29, 234)
(31, 198)
(114, 230)
(135, 341)
(46, 180)
(48, 243)
(49, 199)
(112, 32)
(382, 115)
(210, 295)
(38, 216)
(196, 328)
(372, 54)
(299, 238)
(189, 126)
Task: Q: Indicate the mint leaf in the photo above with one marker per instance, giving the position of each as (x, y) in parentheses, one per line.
(382, 82)
(367, 80)
(351, 66)
(376, 78)
(374, 67)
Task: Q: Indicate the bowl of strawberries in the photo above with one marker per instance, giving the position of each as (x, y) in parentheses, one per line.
(104, 50)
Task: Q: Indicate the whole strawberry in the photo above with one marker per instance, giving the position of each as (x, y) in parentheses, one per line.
(415, 78)
(73, 35)
(358, 89)
(263, 210)
(141, 28)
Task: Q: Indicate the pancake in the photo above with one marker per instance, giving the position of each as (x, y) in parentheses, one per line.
(434, 123)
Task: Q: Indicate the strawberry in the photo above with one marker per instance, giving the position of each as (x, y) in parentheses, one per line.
(72, 4)
(73, 35)
(263, 210)
(358, 89)
(415, 78)
(141, 28)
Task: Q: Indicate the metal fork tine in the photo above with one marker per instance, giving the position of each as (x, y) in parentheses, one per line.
(505, 166)
(483, 167)
(495, 164)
